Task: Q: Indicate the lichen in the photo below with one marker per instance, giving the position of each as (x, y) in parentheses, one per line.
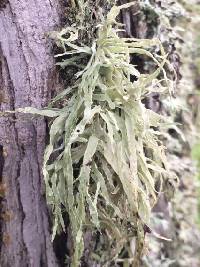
(96, 166)
(105, 163)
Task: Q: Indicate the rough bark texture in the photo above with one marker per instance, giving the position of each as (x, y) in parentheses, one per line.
(27, 76)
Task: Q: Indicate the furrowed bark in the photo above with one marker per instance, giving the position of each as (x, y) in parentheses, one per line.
(27, 76)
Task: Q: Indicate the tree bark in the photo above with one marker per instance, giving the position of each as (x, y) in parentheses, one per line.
(27, 76)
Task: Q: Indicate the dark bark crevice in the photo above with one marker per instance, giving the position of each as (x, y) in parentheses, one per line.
(9, 176)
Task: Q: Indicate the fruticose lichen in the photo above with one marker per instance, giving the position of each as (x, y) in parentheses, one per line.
(105, 162)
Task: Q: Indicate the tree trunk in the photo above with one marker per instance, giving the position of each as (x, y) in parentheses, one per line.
(27, 76)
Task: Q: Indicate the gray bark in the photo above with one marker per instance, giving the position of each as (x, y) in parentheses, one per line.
(27, 76)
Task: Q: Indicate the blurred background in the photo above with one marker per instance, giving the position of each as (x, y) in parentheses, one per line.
(180, 26)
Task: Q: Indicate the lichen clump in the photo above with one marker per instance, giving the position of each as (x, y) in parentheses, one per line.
(105, 164)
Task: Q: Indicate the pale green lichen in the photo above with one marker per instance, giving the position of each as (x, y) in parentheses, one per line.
(106, 131)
